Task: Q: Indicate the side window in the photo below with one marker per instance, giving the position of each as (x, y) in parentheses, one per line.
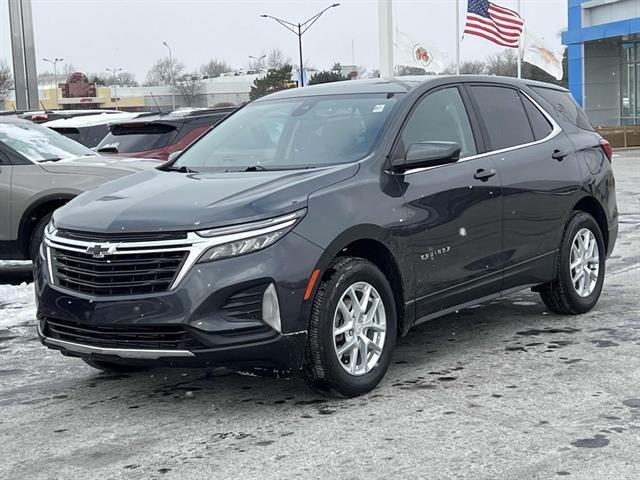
(539, 124)
(504, 116)
(440, 117)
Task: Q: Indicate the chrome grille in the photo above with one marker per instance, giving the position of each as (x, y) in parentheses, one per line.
(124, 274)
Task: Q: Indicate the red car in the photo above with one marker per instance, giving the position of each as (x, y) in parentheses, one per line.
(158, 136)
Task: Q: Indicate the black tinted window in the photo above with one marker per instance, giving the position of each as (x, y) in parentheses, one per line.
(539, 124)
(137, 137)
(504, 116)
(440, 117)
(564, 104)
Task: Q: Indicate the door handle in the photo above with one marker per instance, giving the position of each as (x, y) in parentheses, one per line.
(558, 155)
(484, 175)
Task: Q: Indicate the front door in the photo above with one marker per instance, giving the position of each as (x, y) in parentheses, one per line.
(454, 211)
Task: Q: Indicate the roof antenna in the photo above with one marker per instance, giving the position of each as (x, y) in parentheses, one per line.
(154, 101)
(43, 107)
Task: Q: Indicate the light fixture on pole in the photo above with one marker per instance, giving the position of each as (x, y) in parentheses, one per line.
(299, 29)
(173, 98)
(55, 62)
(115, 71)
(258, 60)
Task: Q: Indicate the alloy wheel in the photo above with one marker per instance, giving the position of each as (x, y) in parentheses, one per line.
(584, 262)
(359, 328)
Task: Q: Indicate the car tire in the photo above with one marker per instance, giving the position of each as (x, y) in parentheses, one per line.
(326, 368)
(112, 367)
(37, 236)
(564, 294)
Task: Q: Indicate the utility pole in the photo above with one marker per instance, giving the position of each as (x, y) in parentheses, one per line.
(24, 55)
(114, 71)
(385, 37)
(299, 29)
(55, 62)
(171, 79)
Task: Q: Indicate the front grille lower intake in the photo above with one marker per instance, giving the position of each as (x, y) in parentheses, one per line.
(157, 337)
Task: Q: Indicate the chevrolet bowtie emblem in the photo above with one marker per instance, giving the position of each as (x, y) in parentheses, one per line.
(99, 251)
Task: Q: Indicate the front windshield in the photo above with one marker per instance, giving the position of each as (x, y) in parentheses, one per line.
(293, 133)
(38, 143)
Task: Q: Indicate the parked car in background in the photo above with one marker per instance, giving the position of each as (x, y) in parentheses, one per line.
(314, 226)
(49, 115)
(41, 170)
(159, 136)
(89, 130)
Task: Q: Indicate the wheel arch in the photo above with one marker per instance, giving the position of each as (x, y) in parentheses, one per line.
(373, 244)
(592, 206)
(34, 214)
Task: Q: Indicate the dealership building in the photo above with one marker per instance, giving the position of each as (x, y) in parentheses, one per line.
(603, 40)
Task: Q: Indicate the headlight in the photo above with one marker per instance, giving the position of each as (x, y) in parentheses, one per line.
(50, 228)
(248, 238)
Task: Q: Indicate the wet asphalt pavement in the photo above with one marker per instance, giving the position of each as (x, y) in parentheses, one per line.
(504, 390)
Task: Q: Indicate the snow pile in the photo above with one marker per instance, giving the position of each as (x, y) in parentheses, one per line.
(17, 305)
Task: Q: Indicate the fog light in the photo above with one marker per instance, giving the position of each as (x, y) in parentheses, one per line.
(271, 308)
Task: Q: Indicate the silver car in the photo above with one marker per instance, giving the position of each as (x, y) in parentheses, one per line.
(41, 170)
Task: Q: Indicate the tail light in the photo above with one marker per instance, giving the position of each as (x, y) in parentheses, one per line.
(606, 148)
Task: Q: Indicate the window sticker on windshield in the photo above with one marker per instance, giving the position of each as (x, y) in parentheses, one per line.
(378, 108)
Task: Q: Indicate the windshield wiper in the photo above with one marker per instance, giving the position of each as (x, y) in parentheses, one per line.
(182, 169)
(54, 159)
(255, 168)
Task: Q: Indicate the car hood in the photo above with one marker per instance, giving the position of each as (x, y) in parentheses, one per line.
(99, 166)
(157, 200)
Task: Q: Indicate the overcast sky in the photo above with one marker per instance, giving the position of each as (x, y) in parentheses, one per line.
(96, 34)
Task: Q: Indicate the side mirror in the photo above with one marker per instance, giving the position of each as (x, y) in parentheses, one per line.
(428, 154)
(174, 155)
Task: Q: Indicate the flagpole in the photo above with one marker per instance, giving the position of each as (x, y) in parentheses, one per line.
(519, 45)
(457, 37)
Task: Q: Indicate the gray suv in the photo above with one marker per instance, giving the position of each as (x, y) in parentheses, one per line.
(41, 170)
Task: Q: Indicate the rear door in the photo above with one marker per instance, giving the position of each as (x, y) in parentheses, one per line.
(453, 226)
(6, 171)
(539, 174)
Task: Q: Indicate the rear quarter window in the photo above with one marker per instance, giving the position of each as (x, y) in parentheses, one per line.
(503, 115)
(565, 106)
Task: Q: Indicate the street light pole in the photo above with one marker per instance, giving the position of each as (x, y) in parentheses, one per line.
(114, 71)
(55, 62)
(173, 98)
(258, 60)
(299, 29)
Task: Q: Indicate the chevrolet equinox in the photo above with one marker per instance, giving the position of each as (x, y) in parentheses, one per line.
(314, 226)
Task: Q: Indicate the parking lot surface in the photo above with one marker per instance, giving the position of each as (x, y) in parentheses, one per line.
(503, 390)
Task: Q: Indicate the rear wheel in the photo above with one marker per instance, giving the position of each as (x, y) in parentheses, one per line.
(352, 331)
(112, 367)
(580, 268)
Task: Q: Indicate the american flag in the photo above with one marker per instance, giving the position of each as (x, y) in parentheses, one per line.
(494, 23)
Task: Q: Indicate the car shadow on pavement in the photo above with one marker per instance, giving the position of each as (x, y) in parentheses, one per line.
(15, 275)
(431, 356)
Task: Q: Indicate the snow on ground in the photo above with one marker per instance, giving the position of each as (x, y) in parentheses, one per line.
(17, 305)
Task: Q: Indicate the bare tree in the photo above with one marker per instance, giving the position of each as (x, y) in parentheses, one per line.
(504, 64)
(473, 67)
(214, 68)
(126, 79)
(276, 59)
(160, 72)
(68, 69)
(188, 86)
(6, 80)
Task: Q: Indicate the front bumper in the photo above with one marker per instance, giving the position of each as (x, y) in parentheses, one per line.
(121, 329)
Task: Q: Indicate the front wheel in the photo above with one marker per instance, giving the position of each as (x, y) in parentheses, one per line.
(352, 331)
(580, 268)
